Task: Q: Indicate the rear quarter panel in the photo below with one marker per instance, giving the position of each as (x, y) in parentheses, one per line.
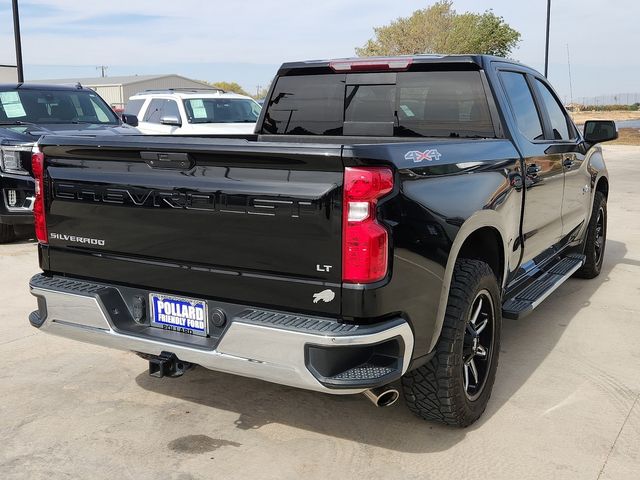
(445, 191)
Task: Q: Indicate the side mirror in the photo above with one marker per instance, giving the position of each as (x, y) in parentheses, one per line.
(170, 120)
(129, 119)
(598, 131)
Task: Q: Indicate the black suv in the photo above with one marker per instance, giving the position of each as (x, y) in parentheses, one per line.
(28, 111)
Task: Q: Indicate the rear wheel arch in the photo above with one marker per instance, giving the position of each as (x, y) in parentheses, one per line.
(485, 244)
(482, 228)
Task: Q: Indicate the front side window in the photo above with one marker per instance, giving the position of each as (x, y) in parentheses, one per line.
(54, 107)
(161, 107)
(559, 122)
(154, 111)
(523, 105)
(134, 106)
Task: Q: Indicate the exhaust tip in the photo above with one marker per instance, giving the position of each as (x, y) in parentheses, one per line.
(388, 398)
(382, 397)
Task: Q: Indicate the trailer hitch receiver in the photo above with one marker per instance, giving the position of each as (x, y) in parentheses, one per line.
(167, 364)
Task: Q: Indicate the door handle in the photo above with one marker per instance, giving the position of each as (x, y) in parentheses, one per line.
(567, 163)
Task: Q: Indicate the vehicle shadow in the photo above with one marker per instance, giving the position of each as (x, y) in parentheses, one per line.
(24, 235)
(526, 343)
(260, 403)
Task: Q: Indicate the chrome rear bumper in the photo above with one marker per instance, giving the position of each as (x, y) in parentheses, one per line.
(253, 344)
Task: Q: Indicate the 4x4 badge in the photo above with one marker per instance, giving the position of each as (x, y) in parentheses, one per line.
(417, 156)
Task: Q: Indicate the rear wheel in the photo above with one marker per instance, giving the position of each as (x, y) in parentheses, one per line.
(455, 386)
(596, 239)
(7, 233)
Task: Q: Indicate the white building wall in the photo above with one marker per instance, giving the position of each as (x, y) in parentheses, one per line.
(8, 74)
(112, 94)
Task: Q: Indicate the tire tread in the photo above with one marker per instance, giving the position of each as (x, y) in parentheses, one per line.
(433, 391)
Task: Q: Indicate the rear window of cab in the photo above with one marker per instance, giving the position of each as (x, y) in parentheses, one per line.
(406, 104)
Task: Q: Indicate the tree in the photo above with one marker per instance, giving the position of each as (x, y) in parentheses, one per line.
(229, 87)
(262, 92)
(440, 29)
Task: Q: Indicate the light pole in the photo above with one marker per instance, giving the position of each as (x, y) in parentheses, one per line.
(546, 54)
(18, 42)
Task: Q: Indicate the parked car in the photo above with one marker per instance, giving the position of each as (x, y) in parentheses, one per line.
(193, 112)
(28, 111)
(386, 216)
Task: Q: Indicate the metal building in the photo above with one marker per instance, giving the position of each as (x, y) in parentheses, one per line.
(117, 90)
(8, 74)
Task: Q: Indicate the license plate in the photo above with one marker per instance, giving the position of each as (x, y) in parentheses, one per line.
(179, 314)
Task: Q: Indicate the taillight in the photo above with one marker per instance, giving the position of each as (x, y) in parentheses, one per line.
(371, 64)
(37, 167)
(365, 243)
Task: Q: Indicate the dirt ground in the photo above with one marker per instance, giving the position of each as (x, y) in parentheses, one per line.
(628, 136)
(580, 117)
(565, 404)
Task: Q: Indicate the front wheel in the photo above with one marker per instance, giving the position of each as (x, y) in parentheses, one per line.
(596, 239)
(455, 385)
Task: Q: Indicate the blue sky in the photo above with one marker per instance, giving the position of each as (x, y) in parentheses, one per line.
(245, 41)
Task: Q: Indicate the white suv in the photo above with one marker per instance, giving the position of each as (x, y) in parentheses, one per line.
(183, 111)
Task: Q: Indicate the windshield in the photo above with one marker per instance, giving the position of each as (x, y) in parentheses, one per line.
(54, 107)
(221, 110)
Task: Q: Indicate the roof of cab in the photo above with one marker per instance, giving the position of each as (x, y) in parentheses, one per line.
(480, 61)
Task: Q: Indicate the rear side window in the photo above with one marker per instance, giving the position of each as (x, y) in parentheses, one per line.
(133, 107)
(523, 105)
(410, 104)
(559, 123)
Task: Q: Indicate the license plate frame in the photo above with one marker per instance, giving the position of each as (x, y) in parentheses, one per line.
(167, 312)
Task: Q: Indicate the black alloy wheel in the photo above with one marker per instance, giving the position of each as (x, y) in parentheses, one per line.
(478, 345)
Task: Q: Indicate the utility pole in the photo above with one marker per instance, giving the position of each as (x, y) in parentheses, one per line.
(570, 79)
(546, 55)
(258, 88)
(18, 42)
(103, 69)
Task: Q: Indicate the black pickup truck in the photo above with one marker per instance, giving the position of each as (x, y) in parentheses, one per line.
(28, 111)
(380, 223)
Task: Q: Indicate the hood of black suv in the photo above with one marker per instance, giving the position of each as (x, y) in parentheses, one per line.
(26, 133)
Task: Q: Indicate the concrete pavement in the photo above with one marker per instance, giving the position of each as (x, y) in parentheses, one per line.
(565, 403)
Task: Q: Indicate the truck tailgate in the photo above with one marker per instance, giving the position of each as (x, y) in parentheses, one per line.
(227, 219)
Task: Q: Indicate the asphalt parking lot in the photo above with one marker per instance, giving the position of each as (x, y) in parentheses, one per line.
(565, 403)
